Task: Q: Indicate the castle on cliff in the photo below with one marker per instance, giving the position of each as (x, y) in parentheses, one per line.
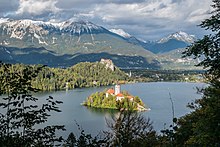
(108, 63)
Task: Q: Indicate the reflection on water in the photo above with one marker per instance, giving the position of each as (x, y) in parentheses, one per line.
(155, 95)
(101, 111)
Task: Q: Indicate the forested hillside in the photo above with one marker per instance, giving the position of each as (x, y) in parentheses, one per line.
(81, 75)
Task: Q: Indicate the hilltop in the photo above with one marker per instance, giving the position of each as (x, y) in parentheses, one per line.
(84, 74)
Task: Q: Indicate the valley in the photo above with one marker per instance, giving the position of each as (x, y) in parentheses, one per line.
(67, 43)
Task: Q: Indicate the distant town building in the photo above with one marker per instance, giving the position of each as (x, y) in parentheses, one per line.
(108, 63)
(130, 74)
(67, 85)
(94, 82)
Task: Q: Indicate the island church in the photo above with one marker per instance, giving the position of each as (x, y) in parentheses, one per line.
(117, 93)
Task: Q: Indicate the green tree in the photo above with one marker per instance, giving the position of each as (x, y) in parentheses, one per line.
(19, 112)
(130, 130)
(84, 140)
(71, 141)
(201, 127)
(80, 75)
(209, 46)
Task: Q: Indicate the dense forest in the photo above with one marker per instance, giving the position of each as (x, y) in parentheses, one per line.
(84, 74)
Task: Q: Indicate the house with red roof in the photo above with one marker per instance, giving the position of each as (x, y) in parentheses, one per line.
(119, 97)
(110, 91)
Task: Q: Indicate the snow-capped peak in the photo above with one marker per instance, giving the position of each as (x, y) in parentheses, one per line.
(181, 36)
(18, 28)
(23, 23)
(120, 32)
(2, 20)
(82, 24)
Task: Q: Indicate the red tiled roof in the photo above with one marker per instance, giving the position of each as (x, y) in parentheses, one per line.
(130, 97)
(120, 95)
(111, 91)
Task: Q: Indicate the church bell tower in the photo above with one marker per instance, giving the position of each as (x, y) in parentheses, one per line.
(117, 89)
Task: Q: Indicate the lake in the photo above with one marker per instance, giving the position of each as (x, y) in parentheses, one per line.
(154, 94)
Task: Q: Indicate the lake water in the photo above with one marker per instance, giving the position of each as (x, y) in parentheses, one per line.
(155, 95)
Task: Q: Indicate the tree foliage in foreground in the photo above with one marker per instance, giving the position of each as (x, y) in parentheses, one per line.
(20, 116)
(201, 127)
(130, 129)
(208, 48)
(84, 140)
(127, 129)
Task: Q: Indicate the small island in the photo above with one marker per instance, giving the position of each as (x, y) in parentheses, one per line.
(115, 99)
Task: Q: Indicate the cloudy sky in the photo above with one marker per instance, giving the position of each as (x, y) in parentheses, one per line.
(145, 19)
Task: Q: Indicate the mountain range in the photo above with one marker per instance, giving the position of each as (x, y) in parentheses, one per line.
(67, 43)
(171, 42)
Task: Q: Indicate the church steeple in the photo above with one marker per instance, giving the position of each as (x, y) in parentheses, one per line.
(117, 89)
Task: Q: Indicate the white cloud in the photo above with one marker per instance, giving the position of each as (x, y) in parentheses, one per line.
(37, 7)
(164, 9)
(148, 19)
(198, 15)
(154, 16)
(87, 15)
